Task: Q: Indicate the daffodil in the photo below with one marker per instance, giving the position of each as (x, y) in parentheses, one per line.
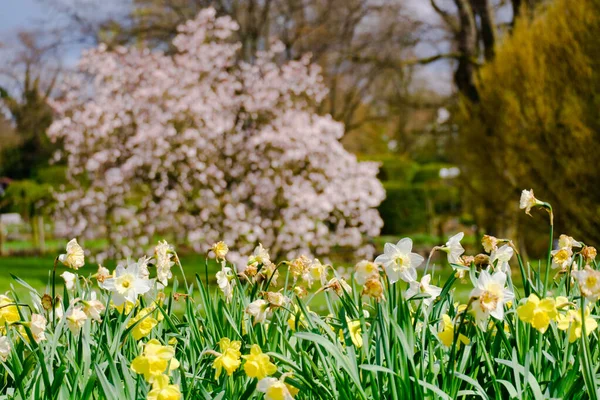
(588, 280)
(502, 256)
(373, 288)
(259, 309)
(9, 312)
(454, 249)
(423, 287)
(315, 272)
(365, 270)
(258, 364)
(74, 258)
(226, 282)
(399, 262)
(37, 325)
(572, 323)
(5, 348)
(355, 330)
(274, 389)
(128, 283)
(589, 253)
(162, 390)
(298, 266)
(70, 279)
(163, 253)
(528, 201)
(259, 256)
(155, 360)
(276, 299)
(568, 241)
(144, 323)
(220, 250)
(75, 319)
(228, 358)
(490, 296)
(339, 286)
(446, 335)
(102, 274)
(562, 258)
(538, 313)
(489, 243)
(93, 308)
(292, 318)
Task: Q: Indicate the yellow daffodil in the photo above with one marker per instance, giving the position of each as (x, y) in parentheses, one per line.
(373, 288)
(446, 335)
(355, 330)
(228, 358)
(8, 313)
(155, 360)
(143, 327)
(572, 323)
(162, 390)
(538, 313)
(258, 364)
(275, 389)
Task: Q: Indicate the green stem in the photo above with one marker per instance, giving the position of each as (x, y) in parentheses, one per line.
(550, 246)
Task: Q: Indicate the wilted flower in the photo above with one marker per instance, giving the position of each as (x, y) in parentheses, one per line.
(373, 288)
(70, 279)
(338, 285)
(490, 296)
(538, 312)
(220, 250)
(155, 360)
(127, 284)
(502, 255)
(572, 323)
(258, 365)
(258, 309)
(47, 302)
(5, 348)
(298, 266)
(399, 262)
(75, 319)
(490, 243)
(102, 274)
(454, 249)
(300, 292)
(365, 270)
(74, 258)
(589, 253)
(446, 335)
(528, 201)
(228, 358)
(162, 390)
(423, 287)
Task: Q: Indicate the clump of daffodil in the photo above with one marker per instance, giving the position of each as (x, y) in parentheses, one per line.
(155, 360)
(163, 390)
(228, 358)
(74, 258)
(258, 365)
(573, 323)
(538, 313)
(446, 335)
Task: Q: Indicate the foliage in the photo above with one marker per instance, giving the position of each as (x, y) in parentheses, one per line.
(200, 145)
(386, 336)
(538, 119)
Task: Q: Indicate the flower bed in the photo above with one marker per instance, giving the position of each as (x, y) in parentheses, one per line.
(137, 333)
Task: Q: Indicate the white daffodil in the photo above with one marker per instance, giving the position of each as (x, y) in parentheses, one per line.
(70, 279)
(220, 250)
(490, 243)
(5, 348)
(259, 309)
(315, 272)
(93, 308)
(163, 253)
(568, 241)
(528, 201)
(490, 296)
(274, 389)
(102, 274)
(225, 280)
(277, 299)
(503, 255)
(562, 258)
(365, 270)
(260, 256)
(75, 319)
(589, 283)
(74, 258)
(399, 262)
(127, 284)
(38, 327)
(454, 249)
(423, 287)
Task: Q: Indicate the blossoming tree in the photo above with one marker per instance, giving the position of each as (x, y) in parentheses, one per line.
(208, 147)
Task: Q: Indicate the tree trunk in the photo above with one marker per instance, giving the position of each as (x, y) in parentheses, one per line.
(484, 10)
(464, 77)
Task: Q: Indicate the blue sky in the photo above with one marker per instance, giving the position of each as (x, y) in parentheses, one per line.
(18, 14)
